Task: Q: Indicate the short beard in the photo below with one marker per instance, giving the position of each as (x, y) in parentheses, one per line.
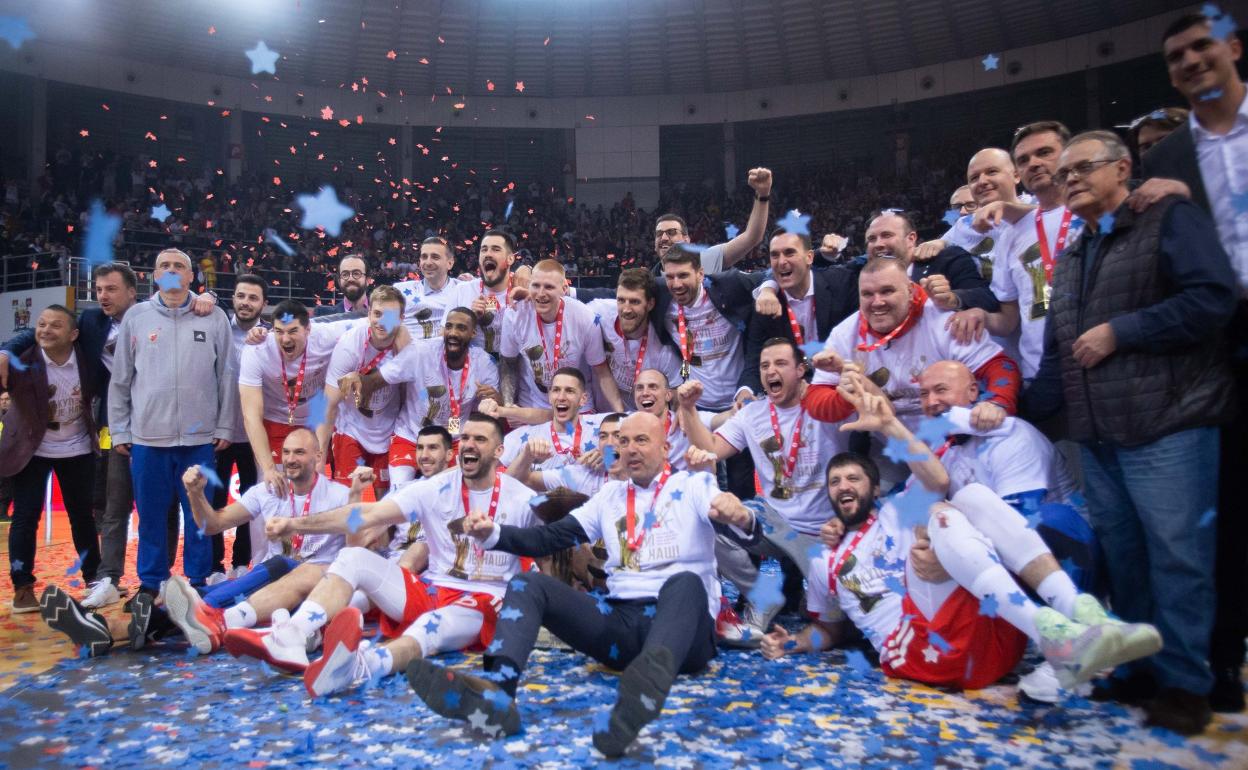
(353, 292)
(864, 511)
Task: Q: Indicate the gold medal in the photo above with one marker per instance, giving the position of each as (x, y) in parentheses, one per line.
(291, 419)
(781, 492)
(684, 370)
(452, 425)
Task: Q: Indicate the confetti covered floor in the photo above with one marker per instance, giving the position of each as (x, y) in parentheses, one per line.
(164, 708)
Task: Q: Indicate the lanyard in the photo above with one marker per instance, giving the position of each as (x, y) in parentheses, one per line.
(296, 540)
(368, 367)
(292, 402)
(493, 510)
(793, 324)
(641, 349)
(835, 569)
(558, 335)
(917, 298)
(1049, 257)
(790, 462)
(686, 355)
(635, 538)
(454, 400)
(575, 451)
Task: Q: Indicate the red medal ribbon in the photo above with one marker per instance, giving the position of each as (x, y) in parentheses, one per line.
(641, 350)
(1049, 258)
(917, 298)
(368, 367)
(558, 335)
(454, 400)
(835, 569)
(493, 509)
(635, 538)
(790, 462)
(682, 327)
(292, 403)
(575, 450)
(296, 540)
(793, 324)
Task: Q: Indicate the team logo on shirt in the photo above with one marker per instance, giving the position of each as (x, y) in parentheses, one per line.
(152, 336)
(423, 317)
(1040, 289)
(435, 406)
(201, 336)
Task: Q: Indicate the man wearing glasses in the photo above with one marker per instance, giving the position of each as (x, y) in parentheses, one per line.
(353, 283)
(1133, 349)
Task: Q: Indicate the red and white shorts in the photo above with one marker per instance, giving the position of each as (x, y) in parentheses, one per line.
(423, 597)
(348, 454)
(958, 648)
(277, 433)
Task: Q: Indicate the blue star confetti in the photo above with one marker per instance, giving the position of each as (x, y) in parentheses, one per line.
(898, 450)
(933, 430)
(170, 281)
(650, 610)
(604, 606)
(316, 410)
(1207, 518)
(77, 565)
(858, 662)
(271, 236)
(161, 212)
(15, 31)
(102, 227)
(537, 500)
(510, 613)
(262, 59)
(1239, 200)
(767, 591)
(988, 606)
(990, 62)
(210, 475)
(1106, 223)
(17, 565)
(914, 505)
(795, 222)
(939, 642)
(731, 230)
(355, 520)
(608, 457)
(951, 217)
(324, 210)
(1017, 598)
(517, 584)
(390, 320)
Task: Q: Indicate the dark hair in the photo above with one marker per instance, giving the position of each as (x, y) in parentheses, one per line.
(684, 228)
(637, 279)
(570, 371)
(507, 237)
(679, 255)
(906, 219)
(464, 311)
(1040, 127)
(798, 356)
(252, 279)
(1183, 24)
(613, 417)
(439, 431)
(360, 257)
(73, 319)
(1166, 119)
(108, 268)
(292, 308)
(437, 240)
(842, 459)
(803, 237)
(500, 427)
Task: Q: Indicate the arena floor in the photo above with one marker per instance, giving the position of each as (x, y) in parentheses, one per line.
(165, 708)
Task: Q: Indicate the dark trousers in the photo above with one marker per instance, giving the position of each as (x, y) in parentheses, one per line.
(677, 620)
(75, 475)
(1230, 621)
(6, 495)
(240, 455)
(112, 502)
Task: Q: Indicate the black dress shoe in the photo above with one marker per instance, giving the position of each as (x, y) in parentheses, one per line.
(1227, 695)
(1180, 711)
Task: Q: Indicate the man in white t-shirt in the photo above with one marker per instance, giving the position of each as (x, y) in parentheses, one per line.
(428, 299)
(492, 293)
(452, 606)
(204, 619)
(586, 476)
(1026, 254)
(631, 343)
(895, 335)
(933, 591)
(278, 378)
(653, 393)
(571, 434)
(443, 382)
(361, 431)
(992, 177)
(657, 619)
(546, 333)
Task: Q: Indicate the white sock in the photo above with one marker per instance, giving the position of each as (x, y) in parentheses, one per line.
(997, 583)
(379, 661)
(308, 618)
(1059, 592)
(241, 615)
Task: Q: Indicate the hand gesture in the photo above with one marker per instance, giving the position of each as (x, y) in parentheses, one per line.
(927, 251)
(987, 416)
(768, 303)
(485, 391)
(479, 525)
(361, 478)
(831, 532)
(760, 180)
(967, 326)
(700, 459)
(540, 449)
(488, 406)
(834, 243)
(279, 527)
(875, 412)
(593, 460)
(257, 335)
(1154, 190)
(776, 643)
(726, 508)
(482, 309)
(204, 304)
(1095, 345)
(988, 216)
(351, 387)
(938, 288)
(827, 360)
(923, 559)
(194, 481)
(688, 394)
(275, 482)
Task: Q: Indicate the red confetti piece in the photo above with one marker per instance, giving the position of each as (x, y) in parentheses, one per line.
(520, 86)
(327, 113)
(590, 117)
(105, 106)
(277, 180)
(212, 30)
(423, 60)
(150, 135)
(440, 40)
(458, 106)
(391, 55)
(344, 122)
(84, 132)
(489, 85)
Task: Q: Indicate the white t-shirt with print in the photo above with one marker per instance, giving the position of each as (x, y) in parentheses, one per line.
(424, 307)
(465, 293)
(580, 347)
(262, 365)
(715, 346)
(515, 440)
(264, 506)
(70, 437)
(429, 383)
(622, 353)
(374, 425)
(1011, 459)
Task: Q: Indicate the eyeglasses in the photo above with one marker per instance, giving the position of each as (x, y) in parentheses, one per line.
(1081, 169)
(670, 232)
(351, 274)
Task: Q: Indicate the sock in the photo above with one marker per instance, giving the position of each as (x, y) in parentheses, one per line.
(1059, 592)
(379, 661)
(508, 673)
(1011, 603)
(308, 618)
(241, 615)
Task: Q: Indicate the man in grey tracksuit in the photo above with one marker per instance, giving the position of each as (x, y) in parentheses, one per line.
(171, 403)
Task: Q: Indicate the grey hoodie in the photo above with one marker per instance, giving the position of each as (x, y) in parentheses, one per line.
(173, 379)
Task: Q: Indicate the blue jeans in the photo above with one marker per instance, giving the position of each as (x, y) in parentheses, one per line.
(1149, 506)
(157, 474)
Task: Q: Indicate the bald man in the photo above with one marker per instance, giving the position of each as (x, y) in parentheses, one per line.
(951, 278)
(658, 618)
(991, 176)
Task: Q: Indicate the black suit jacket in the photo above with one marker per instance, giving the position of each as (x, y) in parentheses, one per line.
(26, 422)
(836, 298)
(93, 327)
(959, 267)
(1175, 158)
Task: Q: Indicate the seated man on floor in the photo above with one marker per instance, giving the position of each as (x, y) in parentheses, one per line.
(936, 594)
(657, 620)
(452, 607)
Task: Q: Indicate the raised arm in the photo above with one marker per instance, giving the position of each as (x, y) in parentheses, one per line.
(699, 435)
(735, 250)
(207, 518)
(338, 521)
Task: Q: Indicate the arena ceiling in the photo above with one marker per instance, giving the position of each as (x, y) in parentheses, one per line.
(563, 48)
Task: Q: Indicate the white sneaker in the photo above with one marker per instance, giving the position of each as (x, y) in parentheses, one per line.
(101, 594)
(217, 577)
(1041, 684)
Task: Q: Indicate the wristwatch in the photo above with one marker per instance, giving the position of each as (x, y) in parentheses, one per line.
(762, 198)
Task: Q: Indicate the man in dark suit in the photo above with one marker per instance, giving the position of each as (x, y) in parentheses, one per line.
(353, 283)
(1205, 159)
(50, 429)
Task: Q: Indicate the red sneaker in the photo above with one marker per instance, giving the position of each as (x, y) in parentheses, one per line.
(266, 646)
(203, 626)
(336, 669)
(732, 631)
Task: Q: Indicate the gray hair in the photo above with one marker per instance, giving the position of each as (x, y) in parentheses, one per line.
(1115, 148)
(190, 263)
